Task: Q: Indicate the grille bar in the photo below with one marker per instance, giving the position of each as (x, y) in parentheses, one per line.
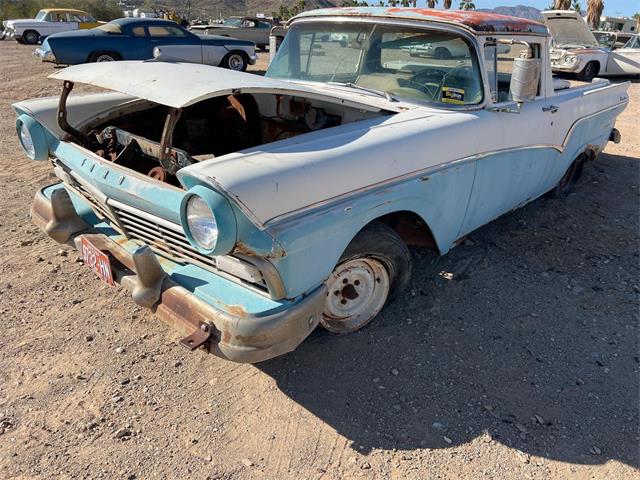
(168, 238)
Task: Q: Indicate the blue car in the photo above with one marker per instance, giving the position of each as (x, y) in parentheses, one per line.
(143, 39)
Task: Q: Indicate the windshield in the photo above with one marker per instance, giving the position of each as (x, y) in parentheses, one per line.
(232, 22)
(41, 14)
(402, 61)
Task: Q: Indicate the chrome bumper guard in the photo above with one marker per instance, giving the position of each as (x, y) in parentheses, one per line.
(241, 338)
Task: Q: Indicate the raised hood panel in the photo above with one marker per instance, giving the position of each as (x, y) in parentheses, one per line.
(569, 29)
(181, 84)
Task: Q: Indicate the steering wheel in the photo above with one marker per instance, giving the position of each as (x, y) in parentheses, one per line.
(429, 81)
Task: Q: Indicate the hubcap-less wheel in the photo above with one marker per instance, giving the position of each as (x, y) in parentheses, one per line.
(236, 62)
(104, 58)
(31, 38)
(357, 290)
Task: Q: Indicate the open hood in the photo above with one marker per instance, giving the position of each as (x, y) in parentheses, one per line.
(182, 84)
(568, 29)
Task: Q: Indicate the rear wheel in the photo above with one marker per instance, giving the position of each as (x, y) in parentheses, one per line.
(374, 268)
(237, 61)
(569, 179)
(30, 37)
(442, 53)
(104, 57)
(589, 72)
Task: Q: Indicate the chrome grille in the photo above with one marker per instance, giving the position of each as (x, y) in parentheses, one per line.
(166, 238)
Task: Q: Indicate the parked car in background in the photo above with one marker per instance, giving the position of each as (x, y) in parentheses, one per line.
(248, 210)
(254, 29)
(576, 49)
(143, 39)
(47, 22)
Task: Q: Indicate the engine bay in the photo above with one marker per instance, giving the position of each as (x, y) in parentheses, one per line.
(157, 140)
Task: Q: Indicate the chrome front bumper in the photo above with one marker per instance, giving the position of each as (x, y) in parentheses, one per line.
(45, 55)
(239, 337)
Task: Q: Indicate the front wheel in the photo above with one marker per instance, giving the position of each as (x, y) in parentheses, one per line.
(31, 37)
(589, 72)
(235, 61)
(374, 268)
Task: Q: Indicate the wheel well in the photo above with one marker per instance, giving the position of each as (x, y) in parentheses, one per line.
(411, 227)
(100, 52)
(597, 64)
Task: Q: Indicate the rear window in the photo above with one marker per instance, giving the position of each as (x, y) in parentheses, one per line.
(112, 28)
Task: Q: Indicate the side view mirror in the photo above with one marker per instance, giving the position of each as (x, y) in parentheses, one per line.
(525, 79)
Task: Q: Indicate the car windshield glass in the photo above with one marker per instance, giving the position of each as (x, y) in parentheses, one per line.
(605, 39)
(41, 14)
(402, 61)
(232, 22)
(112, 28)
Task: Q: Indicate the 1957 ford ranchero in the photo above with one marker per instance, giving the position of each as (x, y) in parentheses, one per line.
(247, 210)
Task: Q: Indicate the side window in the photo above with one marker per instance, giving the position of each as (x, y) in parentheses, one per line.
(138, 32)
(73, 18)
(264, 25)
(162, 31)
(499, 65)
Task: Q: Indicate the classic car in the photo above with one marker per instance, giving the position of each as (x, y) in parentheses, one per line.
(247, 210)
(142, 39)
(48, 21)
(576, 50)
(254, 29)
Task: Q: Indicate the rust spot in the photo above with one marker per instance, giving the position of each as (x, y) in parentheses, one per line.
(237, 310)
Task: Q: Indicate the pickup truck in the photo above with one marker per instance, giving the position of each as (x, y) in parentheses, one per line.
(253, 29)
(247, 210)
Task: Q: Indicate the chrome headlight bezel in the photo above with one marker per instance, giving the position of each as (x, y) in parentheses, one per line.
(208, 221)
(32, 138)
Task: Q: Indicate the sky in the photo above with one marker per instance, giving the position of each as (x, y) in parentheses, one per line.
(611, 7)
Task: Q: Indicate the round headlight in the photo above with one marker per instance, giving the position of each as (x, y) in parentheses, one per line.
(572, 59)
(32, 138)
(27, 141)
(208, 221)
(202, 223)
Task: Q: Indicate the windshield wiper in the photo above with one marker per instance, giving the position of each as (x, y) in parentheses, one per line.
(355, 86)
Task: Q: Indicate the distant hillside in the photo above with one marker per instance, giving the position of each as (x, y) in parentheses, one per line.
(224, 8)
(519, 11)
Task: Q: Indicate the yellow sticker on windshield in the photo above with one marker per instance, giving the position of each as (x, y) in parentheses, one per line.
(453, 95)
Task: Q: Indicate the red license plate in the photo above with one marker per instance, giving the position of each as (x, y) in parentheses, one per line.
(97, 260)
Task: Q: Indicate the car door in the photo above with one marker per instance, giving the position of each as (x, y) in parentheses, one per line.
(521, 164)
(54, 23)
(626, 60)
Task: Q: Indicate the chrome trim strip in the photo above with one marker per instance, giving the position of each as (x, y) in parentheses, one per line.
(434, 169)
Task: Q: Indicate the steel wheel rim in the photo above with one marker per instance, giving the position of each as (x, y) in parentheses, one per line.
(31, 38)
(236, 62)
(104, 58)
(356, 291)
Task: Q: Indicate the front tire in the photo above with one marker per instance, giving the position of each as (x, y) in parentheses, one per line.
(589, 72)
(30, 37)
(97, 57)
(374, 268)
(237, 61)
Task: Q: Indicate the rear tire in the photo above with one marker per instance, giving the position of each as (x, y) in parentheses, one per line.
(30, 37)
(97, 57)
(372, 271)
(568, 180)
(442, 53)
(235, 60)
(589, 72)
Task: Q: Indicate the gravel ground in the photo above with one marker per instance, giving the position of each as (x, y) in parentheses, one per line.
(515, 356)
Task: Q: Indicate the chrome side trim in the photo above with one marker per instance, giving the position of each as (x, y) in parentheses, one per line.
(434, 169)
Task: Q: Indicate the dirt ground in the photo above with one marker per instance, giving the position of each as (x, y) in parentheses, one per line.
(521, 362)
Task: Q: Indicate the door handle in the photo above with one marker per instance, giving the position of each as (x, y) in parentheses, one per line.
(550, 108)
